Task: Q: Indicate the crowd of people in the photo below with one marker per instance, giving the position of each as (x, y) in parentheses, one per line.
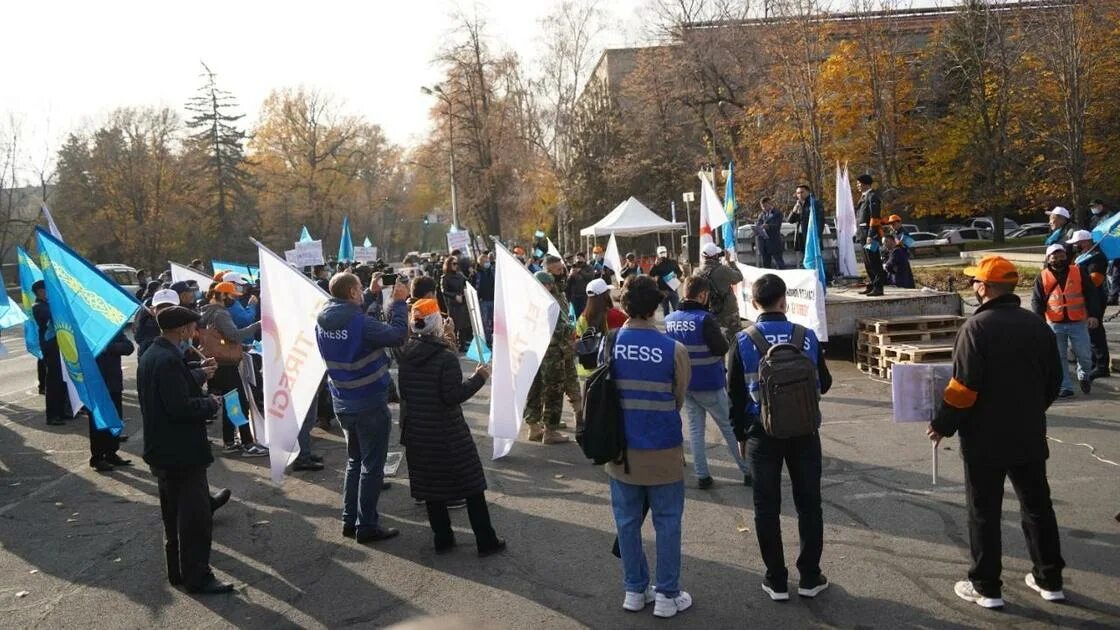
(760, 385)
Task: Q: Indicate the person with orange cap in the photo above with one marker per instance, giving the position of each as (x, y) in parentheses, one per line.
(216, 317)
(1005, 377)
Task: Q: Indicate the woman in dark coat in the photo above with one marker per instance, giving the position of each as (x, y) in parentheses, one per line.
(453, 285)
(443, 461)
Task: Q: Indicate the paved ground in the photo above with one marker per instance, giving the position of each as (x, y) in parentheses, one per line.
(77, 546)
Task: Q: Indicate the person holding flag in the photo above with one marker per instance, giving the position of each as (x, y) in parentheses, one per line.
(29, 274)
(54, 386)
(730, 206)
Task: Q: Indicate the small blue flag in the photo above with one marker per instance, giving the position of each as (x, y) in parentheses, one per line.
(479, 352)
(730, 205)
(572, 315)
(813, 257)
(345, 245)
(29, 274)
(11, 314)
(1107, 237)
(88, 310)
(367, 243)
(234, 412)
(305, 236)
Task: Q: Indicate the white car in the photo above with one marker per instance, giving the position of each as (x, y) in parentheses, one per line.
(988, 225)
(123, 275)
(927, 241)
(963, 235)
(1031, 229)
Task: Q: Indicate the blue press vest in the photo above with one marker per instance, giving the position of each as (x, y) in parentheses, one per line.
(643, 365)
(356, 371)
(708, 372)
(775, 331)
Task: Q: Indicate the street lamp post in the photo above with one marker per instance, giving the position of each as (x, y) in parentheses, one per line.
(438, 92)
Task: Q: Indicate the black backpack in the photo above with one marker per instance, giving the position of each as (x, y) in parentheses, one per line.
(602, 435)
(717, 296)
(787, 386)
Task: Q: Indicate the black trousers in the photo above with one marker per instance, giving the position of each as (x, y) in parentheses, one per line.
(802, 458)
(41, 367)
(184, 501)
(102, 443)
(873, 264)
(1100, 348)
(984, 493)
(227, 379)
(58, 401)
(477, 512)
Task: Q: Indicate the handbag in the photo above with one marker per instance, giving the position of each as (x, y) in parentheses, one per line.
(587, 348)
(217, 347)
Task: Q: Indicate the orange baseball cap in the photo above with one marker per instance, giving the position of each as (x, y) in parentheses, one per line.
(993, 269)
(894, 218)
(228, 288)
(598, 249)
(423, 308)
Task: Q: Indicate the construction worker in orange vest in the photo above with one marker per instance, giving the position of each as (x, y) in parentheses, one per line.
(1065, 298)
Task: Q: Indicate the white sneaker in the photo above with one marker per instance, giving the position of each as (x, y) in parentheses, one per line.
(967, 592)
(666, 607)
(635, 602)
(254, 450)
(1050, 596)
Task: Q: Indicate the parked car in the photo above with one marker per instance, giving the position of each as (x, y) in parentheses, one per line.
(988, 225)
(1031, 229)
(123, 275)
(927, 241)
(910, 228)
(962, 235)
(948, 226)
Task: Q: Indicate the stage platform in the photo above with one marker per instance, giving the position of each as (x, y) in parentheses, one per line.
(843, 306)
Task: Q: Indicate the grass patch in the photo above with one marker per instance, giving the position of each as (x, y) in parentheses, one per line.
(953, 278)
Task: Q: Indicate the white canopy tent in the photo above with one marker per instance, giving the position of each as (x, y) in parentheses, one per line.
(630, 218)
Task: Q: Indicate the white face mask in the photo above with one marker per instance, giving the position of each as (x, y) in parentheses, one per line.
(1096, 210)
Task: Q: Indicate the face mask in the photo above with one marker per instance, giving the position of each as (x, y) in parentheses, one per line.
(1096, 210)
(184, 346)
(1060, 264)
(485, 265)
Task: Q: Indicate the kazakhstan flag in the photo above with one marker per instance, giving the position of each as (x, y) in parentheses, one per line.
(29, 274)
(88, 310)
(345, 244)
(234, 411)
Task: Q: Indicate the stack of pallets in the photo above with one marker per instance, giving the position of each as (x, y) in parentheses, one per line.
(883, 342)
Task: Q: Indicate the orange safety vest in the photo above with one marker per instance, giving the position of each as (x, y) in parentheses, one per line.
(1066, 302)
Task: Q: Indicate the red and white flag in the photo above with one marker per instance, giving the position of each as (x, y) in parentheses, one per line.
(712, 215)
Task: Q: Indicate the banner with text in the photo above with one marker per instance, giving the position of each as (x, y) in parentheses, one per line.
(309, 254)
(804, 297)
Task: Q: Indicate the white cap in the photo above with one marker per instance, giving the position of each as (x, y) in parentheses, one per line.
(1060, 211)
(165, 296)
(234, 277)
(1056, 247)
(662, 250)
(711, 249)
(1080, 235)
(598, 286)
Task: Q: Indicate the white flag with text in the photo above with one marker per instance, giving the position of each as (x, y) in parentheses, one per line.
(183, 273)
(292, 367)
(524, 318)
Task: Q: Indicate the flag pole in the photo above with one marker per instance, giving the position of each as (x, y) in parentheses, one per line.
(934, 462)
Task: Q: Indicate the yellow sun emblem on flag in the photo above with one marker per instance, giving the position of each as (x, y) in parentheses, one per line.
(235, 410)
(68, 347)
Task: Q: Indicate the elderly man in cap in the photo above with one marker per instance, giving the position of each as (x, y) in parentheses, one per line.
(1090, 257)
(1004, 379)
(722, 303)
(1065, 297)
(668, 274)
(177, 450)
(1062, 228)
(869, 233)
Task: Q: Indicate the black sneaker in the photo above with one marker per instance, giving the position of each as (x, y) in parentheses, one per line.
(307, 464)
(55, 422)
(348, 531)
(376, 534)
(498, 546)
(1065, 393)
(100, 465)
(748, 480)
(1086, 385)
(117, 460)
(704, 483)
(777, 592)
(812, 587)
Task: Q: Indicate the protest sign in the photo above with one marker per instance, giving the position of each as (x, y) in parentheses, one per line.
(309, 254)
(804, 297)
(459, 240)
(365, 254)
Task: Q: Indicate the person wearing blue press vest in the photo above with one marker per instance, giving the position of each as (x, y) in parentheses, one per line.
(651, 372)
(353, 347)
(694, 326)
(801, 455)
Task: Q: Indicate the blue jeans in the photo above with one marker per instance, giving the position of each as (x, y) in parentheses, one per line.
(1075, 334)
(487, 308)
(666, 502)
(367, 444)
(697, 406)
(802, 457)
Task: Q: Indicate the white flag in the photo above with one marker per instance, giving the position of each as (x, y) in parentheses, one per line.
(524, 319)
(50, 223)
(552, 250)
(292, 367)
(845, 224)
(183, 273)
(75, 402)
(712, 215)
(612, 260)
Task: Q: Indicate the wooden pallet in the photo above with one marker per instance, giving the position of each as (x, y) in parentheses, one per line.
(933, 352)
(875, 370)
(894, 338)
(909, 324)
(872, 350)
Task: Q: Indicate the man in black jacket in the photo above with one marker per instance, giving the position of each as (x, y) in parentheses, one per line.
(669, 279)
(103, 445)
(58, 401)
(178, 452)
(869, 234)
(1004, 379)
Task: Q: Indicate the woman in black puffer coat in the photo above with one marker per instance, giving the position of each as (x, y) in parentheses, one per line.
(443, 461)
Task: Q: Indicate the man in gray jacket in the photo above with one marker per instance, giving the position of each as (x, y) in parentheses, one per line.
(722, 302)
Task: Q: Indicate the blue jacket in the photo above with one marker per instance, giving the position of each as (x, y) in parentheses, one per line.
(897, 266)
(692, 325)
(743, 379)
(643, 364)
(352, 345)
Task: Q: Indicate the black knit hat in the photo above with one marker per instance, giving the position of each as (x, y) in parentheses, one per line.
(865, 179)
(176, 317)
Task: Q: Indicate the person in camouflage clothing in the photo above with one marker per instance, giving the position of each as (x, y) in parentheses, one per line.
(545, 404)
(572, 389)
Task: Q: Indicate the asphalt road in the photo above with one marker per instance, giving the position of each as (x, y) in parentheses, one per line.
(79, 548)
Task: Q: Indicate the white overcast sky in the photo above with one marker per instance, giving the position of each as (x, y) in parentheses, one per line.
(67, 63)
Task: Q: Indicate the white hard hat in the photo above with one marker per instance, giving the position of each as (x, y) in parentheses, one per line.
(711, 250)
(598, 286)
(165, 296)
(662, 250)
(1080, 235)
(1054, 248)
(1060, 211)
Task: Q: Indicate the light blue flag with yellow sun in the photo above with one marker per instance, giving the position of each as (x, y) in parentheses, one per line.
(730, 205)
(234, 411)
(29, 274)
(248, 272)
(88, 309)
